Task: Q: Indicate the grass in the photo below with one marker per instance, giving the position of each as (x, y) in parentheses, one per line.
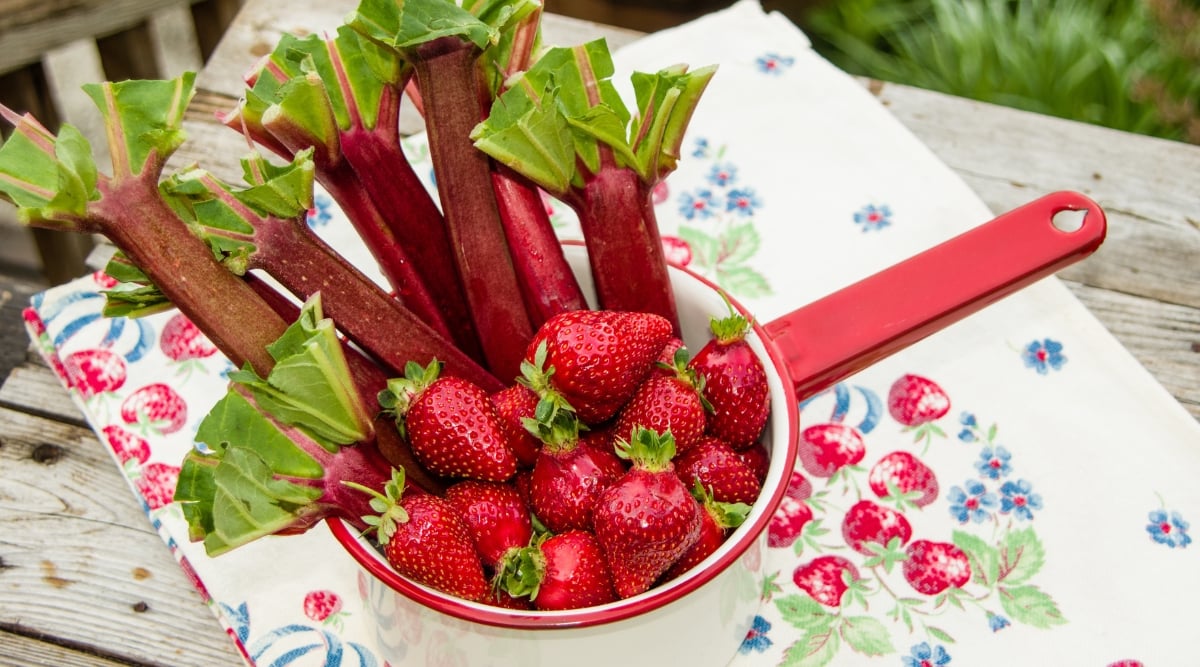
(1128, 64)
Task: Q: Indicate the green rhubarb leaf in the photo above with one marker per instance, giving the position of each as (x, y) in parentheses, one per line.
(242, 488)
(50, 179)
(310, 386)
(407, 24)
(134, 295)
(529, 134)
(518, 25)
(283, 191)
(144, 120)
(665, 103)
(303, 116)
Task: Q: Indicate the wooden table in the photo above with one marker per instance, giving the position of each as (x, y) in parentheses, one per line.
(84, 580)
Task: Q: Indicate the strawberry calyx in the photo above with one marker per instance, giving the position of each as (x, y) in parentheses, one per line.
(558, 429)
(387, 504)
(400, 393)
(522, 570)
(731, 328)
(727, 516)
(535, 375)
(682, 371)
(647, 449)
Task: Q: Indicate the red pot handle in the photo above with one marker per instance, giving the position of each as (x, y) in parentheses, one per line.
(844, 332)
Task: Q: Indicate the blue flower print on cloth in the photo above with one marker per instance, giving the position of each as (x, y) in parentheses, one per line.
(993, 462)
(972, 502)
(757, 640)
(873, 218)
(997, 622)
(1168, 528)
(1044, 356)
(924, 655)
(1019, 499)
(698, 205)
(773, 63)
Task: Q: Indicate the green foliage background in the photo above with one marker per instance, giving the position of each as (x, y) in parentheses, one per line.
(1128, 64)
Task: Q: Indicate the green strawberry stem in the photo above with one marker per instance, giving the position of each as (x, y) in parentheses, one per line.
(386, 505)
(521, 570)
(647, 450)
(727, 516)
(731, 328)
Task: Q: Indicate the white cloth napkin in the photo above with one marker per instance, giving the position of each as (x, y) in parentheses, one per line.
(1064, 470)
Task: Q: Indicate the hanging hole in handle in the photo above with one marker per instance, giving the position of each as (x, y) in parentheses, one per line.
(1069, 220)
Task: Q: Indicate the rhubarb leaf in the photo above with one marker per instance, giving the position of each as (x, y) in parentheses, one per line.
(49, 179)
(310, 385)
(144, 119)
(530, 135)
(407, 24)
(665, 103)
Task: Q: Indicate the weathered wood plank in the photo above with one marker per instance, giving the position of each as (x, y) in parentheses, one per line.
(88, 539)
(28, 28)
(23, 651)
(1147, 186)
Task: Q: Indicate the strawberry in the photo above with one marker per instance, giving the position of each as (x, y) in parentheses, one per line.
(826, 448)
(717, 521)
(914, 400)
(720, 470)
(450, 424)
(867, 523)
(425, 539)
(564, 571)
(181, 340)
(665, 363)
(822, 578)
(514, 404)
(600, 356)
(757, 458)
(671, 402)
(932, 567)
(127, 446)
(495, 514)
(156, 406)
(156, 483)
(906, 474)
(793, 513)
(735, 382)
(569, 475)
(646, 520)
(94, 371)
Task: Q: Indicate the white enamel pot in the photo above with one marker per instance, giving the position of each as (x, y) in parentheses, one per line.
(701, 618)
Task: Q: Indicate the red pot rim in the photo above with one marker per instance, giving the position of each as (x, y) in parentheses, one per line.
(372, 561)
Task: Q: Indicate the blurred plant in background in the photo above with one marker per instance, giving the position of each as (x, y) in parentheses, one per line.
(1128, 64)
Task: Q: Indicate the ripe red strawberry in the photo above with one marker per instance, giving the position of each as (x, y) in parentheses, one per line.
(646, 520)
(181, 340)
(915, 400)
(826, 448)
(323, 606)
(127, 446)
(425, 540)
(157, 407)
(758, 459)
(94, 371)
(666, 359)
(932, 567)
(719, 469)
(569, 475)
(600, 356)
(735, 382)
(156, 483)
(495, 514)
(793, 513)
(564, 571)
(450, 424)
(906, 474)
(822, 579)
(717, 521)
(513, 405)
(667, 403)
(867, 523)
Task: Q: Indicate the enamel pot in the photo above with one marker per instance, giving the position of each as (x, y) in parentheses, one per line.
(701, 618)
